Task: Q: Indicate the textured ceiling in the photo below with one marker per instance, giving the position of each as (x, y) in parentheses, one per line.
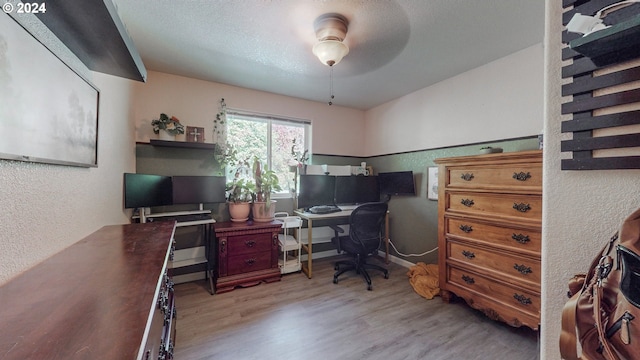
(396, 46)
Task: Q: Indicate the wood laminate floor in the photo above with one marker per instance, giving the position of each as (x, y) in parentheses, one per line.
(300, 318)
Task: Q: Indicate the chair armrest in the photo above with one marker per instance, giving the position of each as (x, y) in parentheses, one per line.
(337, 229)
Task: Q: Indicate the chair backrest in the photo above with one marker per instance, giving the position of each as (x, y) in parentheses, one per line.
(366, 225)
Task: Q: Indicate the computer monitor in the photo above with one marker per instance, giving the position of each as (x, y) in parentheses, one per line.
(397, 183)
(146, 190)
(198, 189)
(356, 190)
(316, 190)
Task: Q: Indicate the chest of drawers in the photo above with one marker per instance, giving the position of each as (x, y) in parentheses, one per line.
(247, 254)
(489, 233)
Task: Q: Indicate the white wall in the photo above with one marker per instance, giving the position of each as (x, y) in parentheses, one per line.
(336, 130)
(46, 208)
(582, 209)
(497, 101)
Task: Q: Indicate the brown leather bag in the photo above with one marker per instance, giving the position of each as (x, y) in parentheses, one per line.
(603, 313)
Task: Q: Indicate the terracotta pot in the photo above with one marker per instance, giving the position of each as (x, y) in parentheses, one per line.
(239, 212)
(263, 214)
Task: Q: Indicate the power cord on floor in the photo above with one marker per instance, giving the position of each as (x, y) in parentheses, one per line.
(424, 253)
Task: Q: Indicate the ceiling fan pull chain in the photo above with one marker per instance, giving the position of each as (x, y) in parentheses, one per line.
(331, 85)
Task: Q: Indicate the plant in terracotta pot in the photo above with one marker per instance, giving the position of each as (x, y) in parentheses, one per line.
(266, 183)
(239, 195)
(240, 191)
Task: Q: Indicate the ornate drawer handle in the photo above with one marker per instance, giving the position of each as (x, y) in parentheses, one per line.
(468, 254)
(523, 269)
(467, 176)
(468, 279)
(522, 207)
(521, 238)
(223, 246)
(522, 176)
(466, 228)
(467, 202)
(250, 243)
(250, 261)
(522, 299)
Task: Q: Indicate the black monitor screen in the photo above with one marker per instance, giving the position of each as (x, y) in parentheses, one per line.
(397, 183)
(144, 190)
(357, 189)
(198, 189)
(316, 190)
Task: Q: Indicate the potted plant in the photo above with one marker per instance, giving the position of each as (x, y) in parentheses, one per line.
(266, 183)
(240, 191)
(239, 195)
(167, 127)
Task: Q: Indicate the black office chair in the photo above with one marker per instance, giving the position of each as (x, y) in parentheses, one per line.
(365, 233)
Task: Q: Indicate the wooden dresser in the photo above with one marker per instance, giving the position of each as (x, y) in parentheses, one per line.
(489, 233)
(247, 254)
(108, 296)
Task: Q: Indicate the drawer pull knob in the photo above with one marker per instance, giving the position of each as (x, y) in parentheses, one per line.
(523, 269)
(467, 176)
(250, 243)
(521, 238)
(466, 228)
(223, 246)
(467, 202)
(522, 176)
(522, 207)
(468, 254)
(250, 261)
(522, 299)
(468, 279)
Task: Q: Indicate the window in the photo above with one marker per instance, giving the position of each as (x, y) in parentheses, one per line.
(270, 139)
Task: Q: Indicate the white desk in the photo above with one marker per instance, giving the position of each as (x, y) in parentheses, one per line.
(341, 217)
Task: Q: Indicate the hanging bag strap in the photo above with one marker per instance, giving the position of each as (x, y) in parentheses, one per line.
(604, 267)
(568, 337)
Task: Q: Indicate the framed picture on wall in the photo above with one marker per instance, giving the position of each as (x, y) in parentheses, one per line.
(432, 183)
(48, 112)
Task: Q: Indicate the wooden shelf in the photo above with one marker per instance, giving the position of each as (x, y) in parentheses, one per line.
(617, 43)
(181, 144)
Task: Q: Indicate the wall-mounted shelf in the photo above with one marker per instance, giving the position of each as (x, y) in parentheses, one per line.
(94, 32)
(617, 43)
(181, 144)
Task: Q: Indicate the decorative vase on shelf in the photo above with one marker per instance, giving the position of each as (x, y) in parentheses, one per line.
(166, 136)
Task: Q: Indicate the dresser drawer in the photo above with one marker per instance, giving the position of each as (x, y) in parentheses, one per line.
(498, 176)
(245, 263)
(504, 295)
(496, 204)
(522, 240)
(519, 268)
(248, 244)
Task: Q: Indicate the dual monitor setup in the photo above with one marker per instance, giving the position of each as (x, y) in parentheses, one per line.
(146, 190)
(323, 190)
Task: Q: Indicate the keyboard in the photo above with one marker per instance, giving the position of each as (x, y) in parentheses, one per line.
(324, 209)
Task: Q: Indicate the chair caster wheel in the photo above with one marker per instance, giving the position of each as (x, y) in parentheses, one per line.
(386, 275)
(369, 287)
(335, 280)
(337, 267)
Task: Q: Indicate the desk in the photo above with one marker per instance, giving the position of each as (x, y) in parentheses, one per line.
(336, 218)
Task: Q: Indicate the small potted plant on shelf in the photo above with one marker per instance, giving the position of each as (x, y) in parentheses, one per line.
(167, 127)
(266, 183)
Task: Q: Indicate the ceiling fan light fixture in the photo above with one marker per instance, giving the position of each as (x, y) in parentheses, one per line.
(331, 30)
(330, 52)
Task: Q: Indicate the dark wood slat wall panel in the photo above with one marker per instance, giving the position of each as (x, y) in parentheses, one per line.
(584, 102)
(602, 121)
(589, 83)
